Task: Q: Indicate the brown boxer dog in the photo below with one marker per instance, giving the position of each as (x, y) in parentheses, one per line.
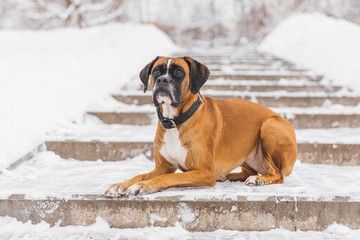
(208, 138)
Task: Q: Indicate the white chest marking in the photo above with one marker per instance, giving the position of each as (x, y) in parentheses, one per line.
(172, 150)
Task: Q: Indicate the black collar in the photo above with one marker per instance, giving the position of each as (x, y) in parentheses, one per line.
(169, 123)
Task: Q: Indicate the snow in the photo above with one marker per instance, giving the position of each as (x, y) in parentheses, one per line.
(71, 177)
(327, 45)
(93, 129)
(242, 94)
(51, 77)
(10, 229)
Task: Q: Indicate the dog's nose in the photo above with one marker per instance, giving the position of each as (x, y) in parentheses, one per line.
(162, 80)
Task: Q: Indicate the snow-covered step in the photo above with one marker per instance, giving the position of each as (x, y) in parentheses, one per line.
(228, 69)
(286, 212)
(283, 85)
(299, 120)
(129, 118)
(260, 57)
(271, 99)
(240, 59)
(246, 67)
(269, 88)
(93, 150)
(220, 57)
(311, 198)
(261, 76)
(257, 62)
(92, 140)
(117, 150)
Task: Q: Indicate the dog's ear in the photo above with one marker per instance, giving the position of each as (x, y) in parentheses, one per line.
(145, 72)
(198, 74)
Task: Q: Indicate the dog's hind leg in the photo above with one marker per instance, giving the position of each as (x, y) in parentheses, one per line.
(246, 171)
(273, 175)
(278, 145)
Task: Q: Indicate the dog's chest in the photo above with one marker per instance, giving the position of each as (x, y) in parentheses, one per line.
(172, 149)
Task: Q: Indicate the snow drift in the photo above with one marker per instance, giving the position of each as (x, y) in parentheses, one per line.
(51, 77)
(327, 45)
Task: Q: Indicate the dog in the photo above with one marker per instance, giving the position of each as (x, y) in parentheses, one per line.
(206, 138)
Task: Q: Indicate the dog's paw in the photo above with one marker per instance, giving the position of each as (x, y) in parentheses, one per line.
(222, 179)
(116, 190)
(140, 188)
(254, 181)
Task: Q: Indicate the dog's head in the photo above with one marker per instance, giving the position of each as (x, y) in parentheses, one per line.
(173, 79)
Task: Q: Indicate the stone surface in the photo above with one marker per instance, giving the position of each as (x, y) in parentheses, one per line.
(94, 150)
(201, 215)
(335, 154)
(128, 118)
(269, 88)
(299, 121)
(269, 101)
(272, 77)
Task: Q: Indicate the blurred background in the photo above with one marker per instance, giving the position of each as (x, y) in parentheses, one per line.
(210, 23)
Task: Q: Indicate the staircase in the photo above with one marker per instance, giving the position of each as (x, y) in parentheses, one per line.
(326, 119)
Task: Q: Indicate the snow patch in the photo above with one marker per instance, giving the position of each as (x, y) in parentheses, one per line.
(327, 45)
(154, 217)
(52, 77)
(186, 215)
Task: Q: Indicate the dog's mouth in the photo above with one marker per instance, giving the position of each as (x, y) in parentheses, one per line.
(162, 95)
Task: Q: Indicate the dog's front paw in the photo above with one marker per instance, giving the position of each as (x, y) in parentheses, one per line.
(254, 181)
(140, 188)
(116, 190)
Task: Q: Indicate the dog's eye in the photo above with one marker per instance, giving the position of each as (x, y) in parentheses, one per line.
(178, 72)
(156, 72)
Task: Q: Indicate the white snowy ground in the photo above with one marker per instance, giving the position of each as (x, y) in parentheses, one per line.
(49, 175)
(325, 44)
(51, 77)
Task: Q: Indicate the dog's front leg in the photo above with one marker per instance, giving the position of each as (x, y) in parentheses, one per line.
(193, 178)
(119, 189)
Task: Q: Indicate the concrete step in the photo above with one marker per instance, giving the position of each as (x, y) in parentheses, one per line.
(287, 212)
(244, 56)
(265, 63)
(250, 59)
(281, 100)
(299, 121)
(97, 149)
(261, 86)
(247, 67)
(128, 118)
(260, 76)
(269, 88)
(311, 198)
(247, 62)
(316, 153)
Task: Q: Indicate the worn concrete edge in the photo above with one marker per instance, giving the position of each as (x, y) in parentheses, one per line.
(288, 212)
(320, 197)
